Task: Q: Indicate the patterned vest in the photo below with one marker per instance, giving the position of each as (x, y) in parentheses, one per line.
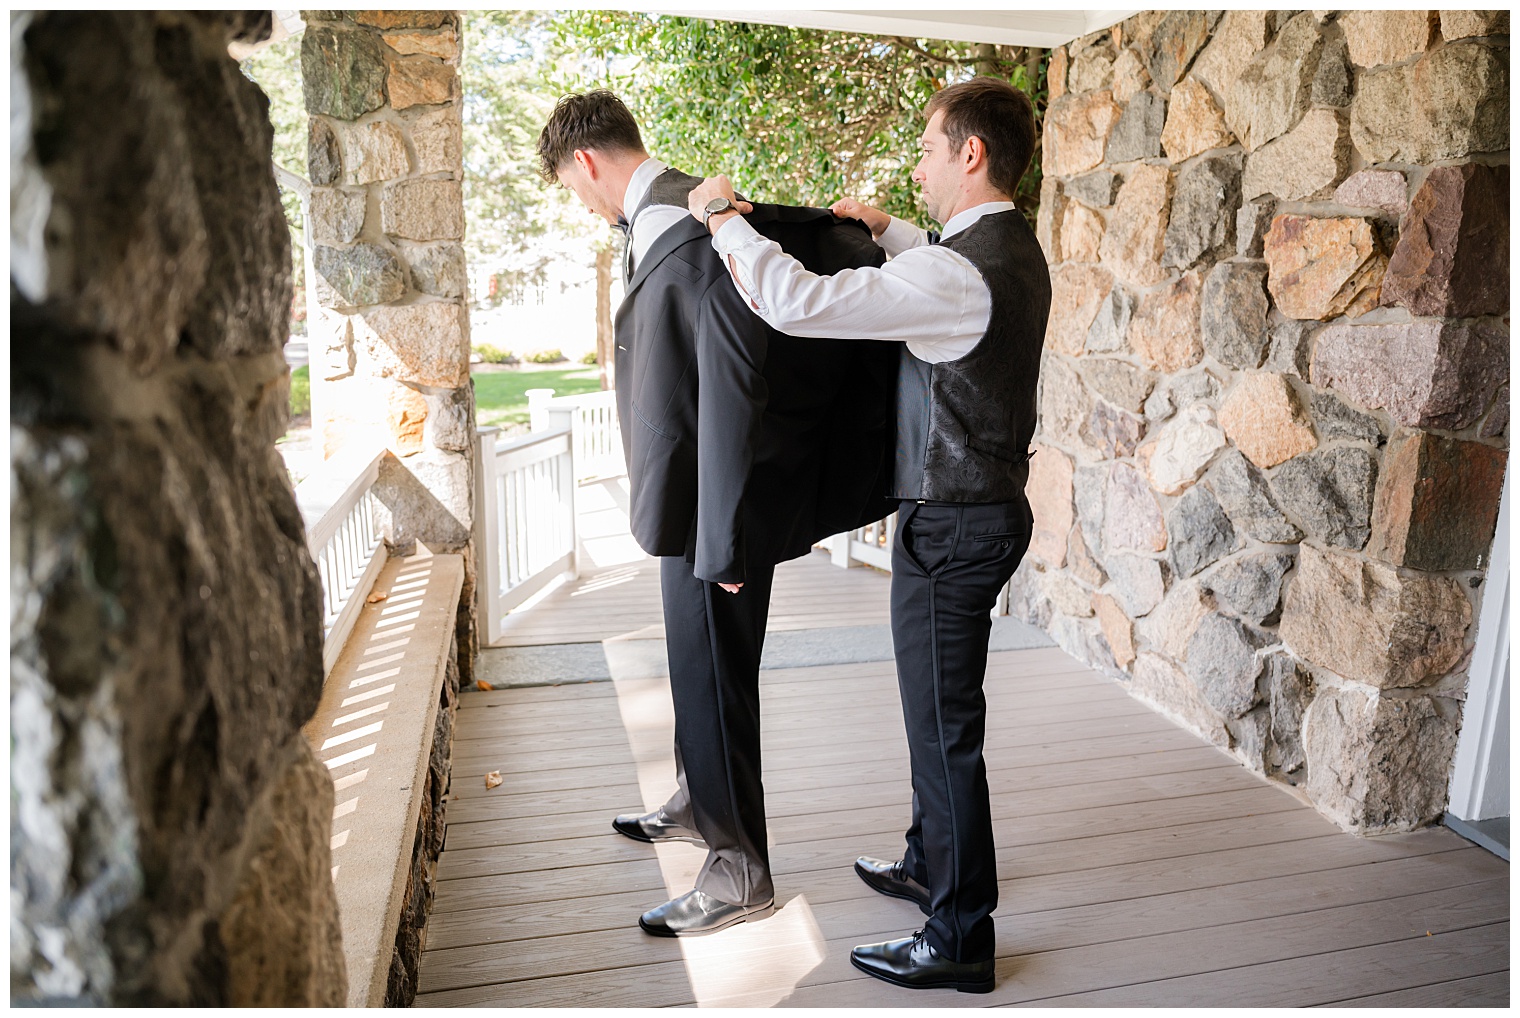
(964, 426)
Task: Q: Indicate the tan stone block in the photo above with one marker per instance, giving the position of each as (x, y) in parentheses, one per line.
(1076, 131)
(1303, 165)
(1369, 622)
(1450, 104)
(444, 45)
(1275, 87)
(1067, 595)
(403, 19)
(1092, 67)
(1135, 240)
(1386, 37)
(1264, 419)
(1377, 764)
(1055, 73)
(1321, 268)
(1081, 233)
(405, 416)
(1117, 629)
(1076, 292)
(337, 217)
(1194, 123)
(1130, 76)
(373, 151)
(437, 138)
(1163, 685)
(1466, 24)
(419, 81)
(1064, 402)
(1239, 36)
(424, 344)
(423, 210)
(1165, 332)
(1169, 628)
(1049, 488)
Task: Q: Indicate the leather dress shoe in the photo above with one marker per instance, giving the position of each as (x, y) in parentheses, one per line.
(890, 879)
(654, 826)
(911, 962)
(697, 912)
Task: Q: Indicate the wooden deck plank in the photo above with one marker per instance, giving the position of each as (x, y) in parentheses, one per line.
(1137, 864)
(1490, 990)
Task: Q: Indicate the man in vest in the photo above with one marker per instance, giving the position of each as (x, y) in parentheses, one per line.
(744, 446)
(969, 307)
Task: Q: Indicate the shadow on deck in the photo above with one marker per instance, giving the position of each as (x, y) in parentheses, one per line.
(1138, 865)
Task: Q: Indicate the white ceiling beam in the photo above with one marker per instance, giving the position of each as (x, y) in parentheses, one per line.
(1044, 29)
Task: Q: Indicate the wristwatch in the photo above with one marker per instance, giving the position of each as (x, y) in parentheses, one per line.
(714, 207)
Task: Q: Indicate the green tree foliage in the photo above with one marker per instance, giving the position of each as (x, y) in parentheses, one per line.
(793, 115)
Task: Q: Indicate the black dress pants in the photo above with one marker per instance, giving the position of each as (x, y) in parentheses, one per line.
(713, 639)
(948, 565)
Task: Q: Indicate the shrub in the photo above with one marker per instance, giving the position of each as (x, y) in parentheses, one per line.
(546, 357)
(494, 354)
(590, 358)
(300, 392)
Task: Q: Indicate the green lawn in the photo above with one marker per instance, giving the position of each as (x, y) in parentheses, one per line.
(501, 397)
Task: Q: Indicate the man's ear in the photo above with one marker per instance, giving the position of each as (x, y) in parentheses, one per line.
(586, 161)
(973, 154)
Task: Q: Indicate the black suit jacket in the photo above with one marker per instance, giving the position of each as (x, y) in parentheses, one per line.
(745, 445)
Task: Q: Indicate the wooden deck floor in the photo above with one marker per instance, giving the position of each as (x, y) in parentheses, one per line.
(1137, 865)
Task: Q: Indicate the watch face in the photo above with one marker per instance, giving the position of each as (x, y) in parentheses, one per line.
(718, 205)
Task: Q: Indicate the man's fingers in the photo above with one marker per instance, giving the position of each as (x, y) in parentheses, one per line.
(732, 588)
(744, 206)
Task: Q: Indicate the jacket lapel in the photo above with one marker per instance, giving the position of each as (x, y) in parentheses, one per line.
(677, 236)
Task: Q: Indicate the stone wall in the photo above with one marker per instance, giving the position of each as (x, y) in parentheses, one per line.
(1274, 401)
(389, 342)
(390, 338)
(169, 824)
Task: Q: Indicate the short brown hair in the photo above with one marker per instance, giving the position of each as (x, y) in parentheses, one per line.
(1000, 115)
(594, 120)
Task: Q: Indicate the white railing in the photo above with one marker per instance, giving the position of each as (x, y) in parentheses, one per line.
(594, 425)
(871, 545)
(524, 517)
(338, 506)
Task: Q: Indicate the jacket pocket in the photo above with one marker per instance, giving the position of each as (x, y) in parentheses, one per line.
(651, 425)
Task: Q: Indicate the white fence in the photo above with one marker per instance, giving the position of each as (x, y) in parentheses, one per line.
(339, 509)
(524, 517)
(593, 422)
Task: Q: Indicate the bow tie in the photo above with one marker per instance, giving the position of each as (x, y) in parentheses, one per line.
(622, 226)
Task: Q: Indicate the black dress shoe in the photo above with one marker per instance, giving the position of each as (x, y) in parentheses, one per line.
(889, 879)
(697, 912)
(654, 826)
(911, 962)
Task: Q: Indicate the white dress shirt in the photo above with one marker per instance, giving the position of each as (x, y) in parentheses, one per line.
(654, 220)
(926, 295)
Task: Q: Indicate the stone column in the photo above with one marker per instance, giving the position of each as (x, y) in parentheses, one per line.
(169, 822)
(390, 346)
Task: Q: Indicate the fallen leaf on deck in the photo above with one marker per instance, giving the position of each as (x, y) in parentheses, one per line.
(493, 779)
(376, 597)
(483, 685)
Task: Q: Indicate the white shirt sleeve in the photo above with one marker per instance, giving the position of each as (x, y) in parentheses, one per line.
(926, 296)
(901, 235)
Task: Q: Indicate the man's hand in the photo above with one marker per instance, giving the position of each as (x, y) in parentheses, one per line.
(876, 219)
(732, 588)
(714, 187)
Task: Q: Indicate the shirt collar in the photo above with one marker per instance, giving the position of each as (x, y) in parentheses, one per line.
(961, 220)
(638, 184)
